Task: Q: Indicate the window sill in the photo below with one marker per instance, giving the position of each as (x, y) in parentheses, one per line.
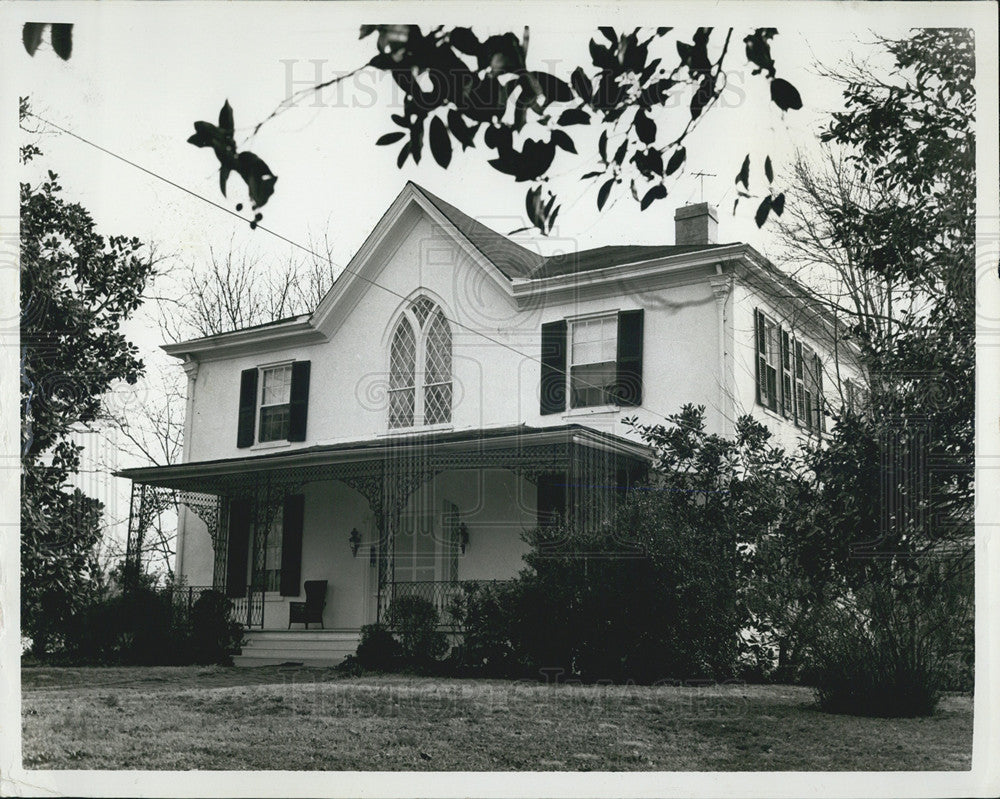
(595, 410)
(429, 428)
(270, 445)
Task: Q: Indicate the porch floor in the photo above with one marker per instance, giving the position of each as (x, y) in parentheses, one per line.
(312, 647)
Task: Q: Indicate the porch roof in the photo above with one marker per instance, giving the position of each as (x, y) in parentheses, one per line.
(513, 442)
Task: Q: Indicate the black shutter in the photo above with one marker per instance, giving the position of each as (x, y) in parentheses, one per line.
(551, 503)
(291, 544)
(248, 407)
(299, 401)
(239, 548)
(786, 373)
(629, 381)
(553, 385)
(760, 337)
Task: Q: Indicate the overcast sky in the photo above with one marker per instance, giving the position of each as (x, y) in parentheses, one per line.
(142, 73)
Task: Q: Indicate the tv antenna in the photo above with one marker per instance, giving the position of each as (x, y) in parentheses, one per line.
(701, 179)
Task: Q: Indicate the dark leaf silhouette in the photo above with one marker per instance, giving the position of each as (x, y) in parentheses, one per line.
(602, 145)
(465, 134)
(649, 162)
(562, 140)
(594, 174)
(603, 192)
(620, 152)
(676, 160)
(658, 192)
(758, 49)
(702, 97)
(784, 95)
(62, 40)
(602, 57)
(778, 204)
(417, 141)
(404, 153)
(762, 211)
(555, 89)
(226, 124)
(31, 35)
(768, 170)
(528, 164)
(389, 138)
(582, 85)
(744, 174)
(574, 116)
(609, 92)
(657, 93)
(440, 142)
(610, 35)
(465, 41)
(258, 177)
(486, 100)
(645, 128)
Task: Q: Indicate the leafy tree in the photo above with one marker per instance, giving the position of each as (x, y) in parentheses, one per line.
(77, 288)
(482, 94)
(914, 135)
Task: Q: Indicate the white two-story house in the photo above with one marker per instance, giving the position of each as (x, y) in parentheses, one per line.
(452, 390)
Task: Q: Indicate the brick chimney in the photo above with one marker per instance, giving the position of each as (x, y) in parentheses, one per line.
(696, 224)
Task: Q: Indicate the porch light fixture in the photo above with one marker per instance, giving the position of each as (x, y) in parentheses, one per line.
(355, 539)
(463, 536)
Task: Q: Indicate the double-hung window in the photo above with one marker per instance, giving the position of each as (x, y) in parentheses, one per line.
(275, 403)
(768, 361)
(789, 374)
(593, 365)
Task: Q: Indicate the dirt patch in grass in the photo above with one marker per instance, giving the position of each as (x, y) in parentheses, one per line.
(315, 719)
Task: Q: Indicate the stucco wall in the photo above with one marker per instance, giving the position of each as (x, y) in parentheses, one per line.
(496, 505)
(494, 384)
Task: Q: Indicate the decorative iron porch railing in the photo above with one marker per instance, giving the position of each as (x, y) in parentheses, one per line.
(248, 611)
(442, 594)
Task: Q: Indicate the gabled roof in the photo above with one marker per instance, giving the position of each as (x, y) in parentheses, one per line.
(603, 257)
(516, 261)
(508, 256)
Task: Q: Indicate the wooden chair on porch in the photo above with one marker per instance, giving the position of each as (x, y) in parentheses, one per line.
(312, 609)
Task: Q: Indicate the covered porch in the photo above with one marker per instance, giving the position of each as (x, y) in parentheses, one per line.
(412, 514)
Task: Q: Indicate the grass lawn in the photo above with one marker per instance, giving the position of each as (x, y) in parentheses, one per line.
(315, 719)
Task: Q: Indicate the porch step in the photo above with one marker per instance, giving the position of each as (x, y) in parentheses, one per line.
(310, 647)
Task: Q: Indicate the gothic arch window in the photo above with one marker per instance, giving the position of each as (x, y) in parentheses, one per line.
(420, 383)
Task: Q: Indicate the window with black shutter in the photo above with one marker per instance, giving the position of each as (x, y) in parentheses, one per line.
(279, 410)
(768, 360)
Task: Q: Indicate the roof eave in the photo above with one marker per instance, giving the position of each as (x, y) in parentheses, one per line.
(295, 331)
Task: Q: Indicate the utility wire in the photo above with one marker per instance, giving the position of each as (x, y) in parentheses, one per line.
(308, 250)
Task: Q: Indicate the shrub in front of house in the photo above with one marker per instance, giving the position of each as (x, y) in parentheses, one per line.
(414, 621)
(148, 627)
(485, 614)
(214, 637)
(600, 606)
(378, 649)
(887, 651)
